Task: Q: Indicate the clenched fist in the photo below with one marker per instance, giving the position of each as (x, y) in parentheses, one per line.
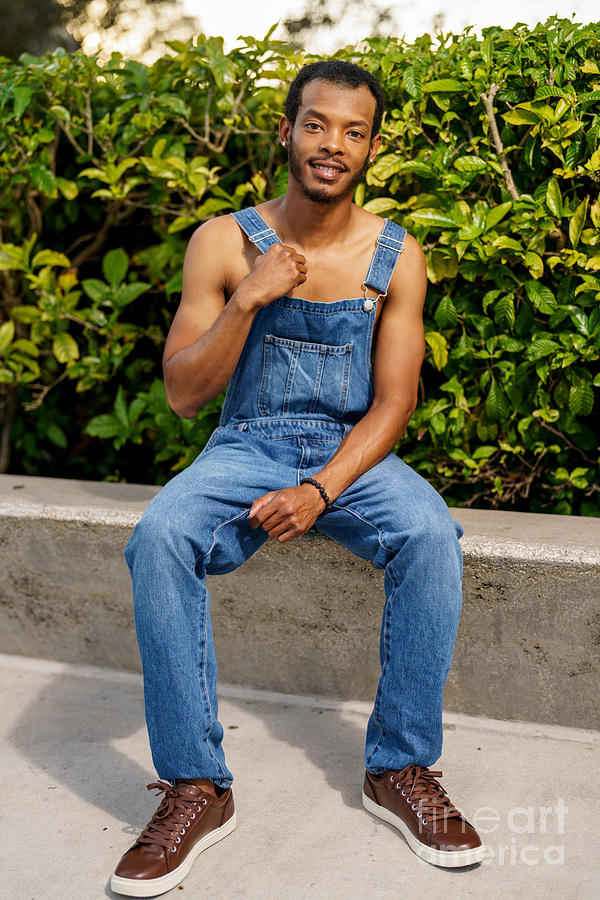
(275, 273)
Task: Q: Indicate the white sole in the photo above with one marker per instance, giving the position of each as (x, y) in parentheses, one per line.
(151, 887)
(450, 859)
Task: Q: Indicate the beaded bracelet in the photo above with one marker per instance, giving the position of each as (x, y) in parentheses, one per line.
(321, 490)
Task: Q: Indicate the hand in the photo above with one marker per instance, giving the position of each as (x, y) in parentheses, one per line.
(287, 513)
(274, 273)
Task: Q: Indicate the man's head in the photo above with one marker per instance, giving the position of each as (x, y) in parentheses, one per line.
(342, 73)
(332, 117)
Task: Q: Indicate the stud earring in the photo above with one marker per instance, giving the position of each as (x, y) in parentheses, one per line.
(284, 143)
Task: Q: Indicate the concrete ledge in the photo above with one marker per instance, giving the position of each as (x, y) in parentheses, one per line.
(303, 618)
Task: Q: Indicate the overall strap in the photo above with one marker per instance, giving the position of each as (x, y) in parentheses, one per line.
(390, 245)
(255, 227)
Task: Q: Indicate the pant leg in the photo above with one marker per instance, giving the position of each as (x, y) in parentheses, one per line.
(197, 524)
(395, 518)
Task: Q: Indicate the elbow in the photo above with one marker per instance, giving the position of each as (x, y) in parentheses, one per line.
(181, 405)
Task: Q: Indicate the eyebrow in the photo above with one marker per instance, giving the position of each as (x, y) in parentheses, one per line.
(320, 115)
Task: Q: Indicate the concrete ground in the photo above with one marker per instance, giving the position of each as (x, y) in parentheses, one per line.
(75, 762)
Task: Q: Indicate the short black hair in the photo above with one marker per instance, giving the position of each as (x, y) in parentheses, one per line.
(337, 71)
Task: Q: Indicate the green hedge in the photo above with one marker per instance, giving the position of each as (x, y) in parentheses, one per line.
(491, 158)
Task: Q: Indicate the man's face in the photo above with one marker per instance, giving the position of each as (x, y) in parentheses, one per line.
(330, 143)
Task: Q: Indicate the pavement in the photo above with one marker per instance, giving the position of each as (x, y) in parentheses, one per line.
(75, 762)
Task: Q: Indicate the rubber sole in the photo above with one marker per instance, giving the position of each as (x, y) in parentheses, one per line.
(151, 887)
(450, 859)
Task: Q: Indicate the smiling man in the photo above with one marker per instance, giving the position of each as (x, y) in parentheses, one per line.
(310, 309)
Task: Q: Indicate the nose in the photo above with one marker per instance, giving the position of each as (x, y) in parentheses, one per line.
(332, 141)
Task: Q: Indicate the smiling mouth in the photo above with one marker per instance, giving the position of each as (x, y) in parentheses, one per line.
(326, 170)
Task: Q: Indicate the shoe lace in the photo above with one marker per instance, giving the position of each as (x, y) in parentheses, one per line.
(175, 813)
(421, 789)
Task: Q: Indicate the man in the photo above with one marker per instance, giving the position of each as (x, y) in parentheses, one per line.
(286, 303)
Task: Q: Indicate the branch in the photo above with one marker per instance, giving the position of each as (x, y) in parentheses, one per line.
(98, 241)
(488, 102)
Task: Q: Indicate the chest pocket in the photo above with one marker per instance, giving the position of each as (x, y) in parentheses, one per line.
(303, 377)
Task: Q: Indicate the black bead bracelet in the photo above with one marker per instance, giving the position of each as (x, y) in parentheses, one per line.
(321, 490)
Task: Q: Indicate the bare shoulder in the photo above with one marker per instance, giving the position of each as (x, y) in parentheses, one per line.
(409, 281)
(220, 232)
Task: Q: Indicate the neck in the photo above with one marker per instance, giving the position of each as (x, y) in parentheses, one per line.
(307, 223)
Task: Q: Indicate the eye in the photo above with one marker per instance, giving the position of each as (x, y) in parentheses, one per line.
(313, 126)
(356, 134)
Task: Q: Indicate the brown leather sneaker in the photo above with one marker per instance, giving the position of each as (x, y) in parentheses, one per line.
(187, 821)
(418, 805)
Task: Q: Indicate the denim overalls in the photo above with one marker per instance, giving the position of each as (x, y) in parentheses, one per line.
(302, 382)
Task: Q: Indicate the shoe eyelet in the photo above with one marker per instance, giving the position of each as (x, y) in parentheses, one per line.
(413, 806)
(192, 815)
(419, 814)
(188, 823)
(424, 821)
(178, 840)
(204, 801)
(392, 779)
(403, 792)
(173, 849)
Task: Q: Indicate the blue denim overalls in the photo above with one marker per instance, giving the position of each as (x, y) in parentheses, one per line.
(302, 382)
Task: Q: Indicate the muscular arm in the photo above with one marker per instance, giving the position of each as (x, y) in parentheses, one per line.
(207, 335)
(399, 355)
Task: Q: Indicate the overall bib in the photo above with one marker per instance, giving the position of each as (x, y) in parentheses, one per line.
(302, 382)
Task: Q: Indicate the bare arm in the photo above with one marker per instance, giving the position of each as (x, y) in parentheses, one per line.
(398, 358)
(207, 335)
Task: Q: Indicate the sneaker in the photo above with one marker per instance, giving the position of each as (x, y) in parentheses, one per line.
(416, 803)
(187, 821)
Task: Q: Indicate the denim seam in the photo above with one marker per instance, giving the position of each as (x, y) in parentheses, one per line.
(384, 666)
(214, 535)
(211, 717)
(367, 521)
(266, 373)
(345, 381)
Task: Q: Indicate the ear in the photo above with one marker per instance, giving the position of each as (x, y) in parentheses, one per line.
(285, 130)
(375, 147)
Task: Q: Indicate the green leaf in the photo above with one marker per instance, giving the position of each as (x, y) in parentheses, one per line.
(26, 314)
(554, 198)
(581, 398)
(411, 78)
(68, 189)
(470, 164)
(95, 289)
(541, 297)
(496, 214)
(21, 98)
(55, 434)
(541, 346)
(381, 205)
(50, 258)
(65, 348)
(43, 180)
(504, 312)
(121, 408)
(445, 315)
(7, 333)
(496, 403)
(129, 292)
(439, 346)
(115, 265)
(104, 426)
(433, 217)
(534, 263)
(445, 84)
(577, 222)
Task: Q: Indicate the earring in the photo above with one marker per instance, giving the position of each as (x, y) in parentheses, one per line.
(284, 143)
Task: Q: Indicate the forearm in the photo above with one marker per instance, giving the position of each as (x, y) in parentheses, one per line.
(198, 373)
(364, 446)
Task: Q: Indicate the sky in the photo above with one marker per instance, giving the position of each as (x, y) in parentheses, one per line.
(231, 18)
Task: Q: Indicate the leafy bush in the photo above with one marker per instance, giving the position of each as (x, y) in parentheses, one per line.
(491, 158)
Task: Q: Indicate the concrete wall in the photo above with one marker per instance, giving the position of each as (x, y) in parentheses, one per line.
(304, 617)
